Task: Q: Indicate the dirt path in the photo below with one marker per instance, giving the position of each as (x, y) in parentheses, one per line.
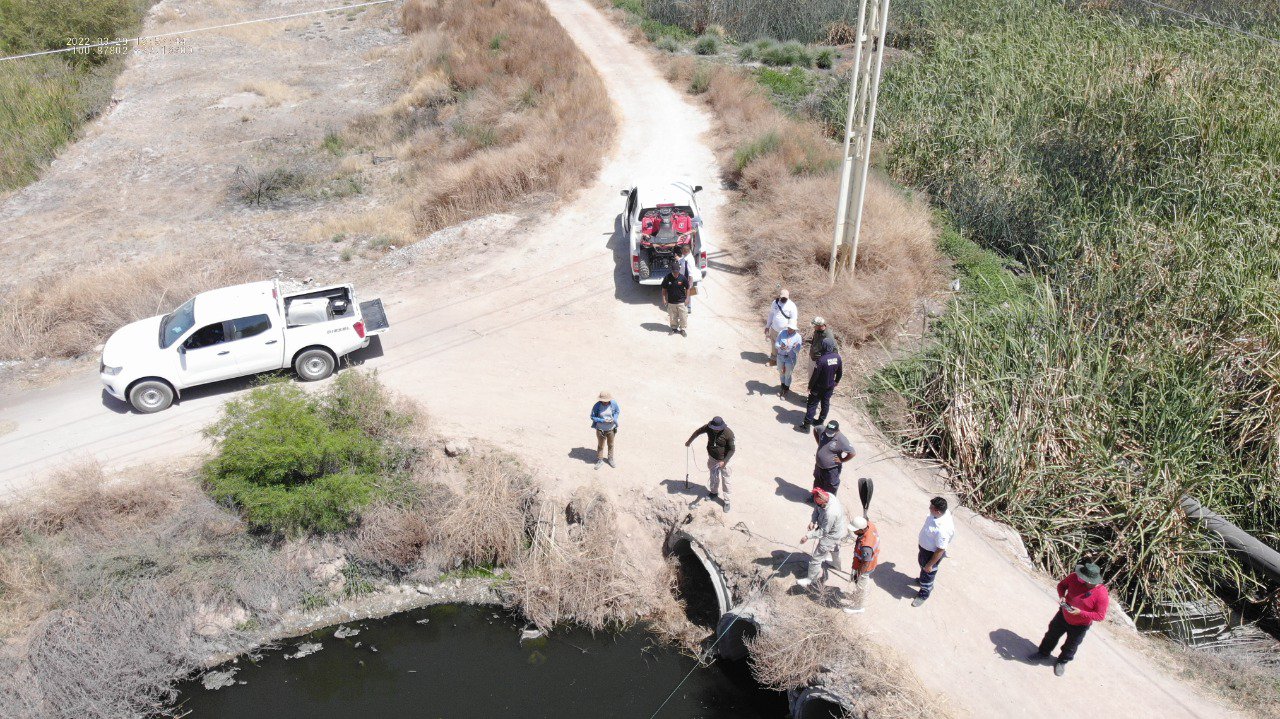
(514, 346)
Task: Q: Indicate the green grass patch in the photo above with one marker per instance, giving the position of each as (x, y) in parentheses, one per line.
(1129, 164)
(707, 45)
(700, 81)
(787, 88)
(333, 143)
(654, 30)
(44, 100)
(293, 462)
(763, 145)
(791, 52)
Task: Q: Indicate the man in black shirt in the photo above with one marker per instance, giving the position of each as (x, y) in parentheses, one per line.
(827, 371)
(720, 449)
(675, 290)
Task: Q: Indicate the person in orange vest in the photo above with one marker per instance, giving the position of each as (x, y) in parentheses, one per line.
(866, 550)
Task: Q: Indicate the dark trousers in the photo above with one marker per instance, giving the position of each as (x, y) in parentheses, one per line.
(1058, 627)
(827, 479)
(817, 397)
(926, 578)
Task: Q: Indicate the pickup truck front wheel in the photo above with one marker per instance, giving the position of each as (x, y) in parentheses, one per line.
(314, 364)
(150, 396)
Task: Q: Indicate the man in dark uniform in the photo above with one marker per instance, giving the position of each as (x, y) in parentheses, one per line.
(827, 371)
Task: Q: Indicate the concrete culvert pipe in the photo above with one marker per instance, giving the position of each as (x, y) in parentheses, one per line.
(816, 703)
(702, 584)
(735, 628)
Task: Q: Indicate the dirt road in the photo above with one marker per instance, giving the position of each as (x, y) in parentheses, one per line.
(514, 346)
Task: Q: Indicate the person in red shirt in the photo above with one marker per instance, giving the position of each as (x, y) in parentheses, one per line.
(1082, 600)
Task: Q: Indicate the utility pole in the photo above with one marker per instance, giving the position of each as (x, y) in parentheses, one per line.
(873, 17)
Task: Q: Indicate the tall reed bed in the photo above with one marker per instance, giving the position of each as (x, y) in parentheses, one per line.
(1133, 167)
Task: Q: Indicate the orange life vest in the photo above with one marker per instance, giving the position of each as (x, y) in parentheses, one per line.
(870, 540)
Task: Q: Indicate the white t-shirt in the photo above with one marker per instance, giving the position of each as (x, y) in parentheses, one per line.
(937, 532)
(691, 268)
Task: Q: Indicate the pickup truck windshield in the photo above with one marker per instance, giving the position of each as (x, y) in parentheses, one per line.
(176, 323)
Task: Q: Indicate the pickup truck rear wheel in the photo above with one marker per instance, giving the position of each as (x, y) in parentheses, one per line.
(150, 396)
(314, 364)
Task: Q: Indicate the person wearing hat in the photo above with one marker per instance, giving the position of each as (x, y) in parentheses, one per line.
(720, 449)
(1082, 600)
(820, 333)
(935, 537)
(827, 525)
(675, 290)
(827, 371)
(782, 314)
(604, 419)
(834, 449)
(866, 550)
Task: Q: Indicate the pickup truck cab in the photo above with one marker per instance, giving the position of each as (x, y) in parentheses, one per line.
(234, 332)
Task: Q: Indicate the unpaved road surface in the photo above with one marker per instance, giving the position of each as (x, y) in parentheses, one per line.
(514, 346)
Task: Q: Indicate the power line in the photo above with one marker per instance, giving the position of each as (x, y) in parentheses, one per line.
(126, 41)
(1204, 19)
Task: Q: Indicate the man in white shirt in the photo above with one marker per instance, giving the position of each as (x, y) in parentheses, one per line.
(935, 537)
(782, 314)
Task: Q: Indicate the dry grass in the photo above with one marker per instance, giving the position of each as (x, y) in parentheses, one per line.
(490, 522)
(801, 643)
(788, 178)
(500, 105)
(580, 570)
(68, 315)
(271, 91)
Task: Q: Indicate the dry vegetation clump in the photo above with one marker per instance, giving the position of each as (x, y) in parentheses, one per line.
(500, 105)
(579, 569)
(67, 315)
(788, 176)
(800, 644)
(493, 518)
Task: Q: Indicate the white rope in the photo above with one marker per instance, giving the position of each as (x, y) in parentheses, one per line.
(135, 40)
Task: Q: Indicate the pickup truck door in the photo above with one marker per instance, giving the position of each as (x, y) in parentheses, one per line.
(255, 344)
(205, 356)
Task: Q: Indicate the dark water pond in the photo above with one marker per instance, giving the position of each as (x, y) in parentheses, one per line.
(468, 662)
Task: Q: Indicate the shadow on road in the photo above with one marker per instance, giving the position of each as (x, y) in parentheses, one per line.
(114, 404)
(791, 492)
(894, 583)
(360, 356)
(1013, 647)
(676, 486)
(796, 566)
(758, 387)
(656, 327)
(757, 357)
(626, 289)
(788, 416)
(586, 454)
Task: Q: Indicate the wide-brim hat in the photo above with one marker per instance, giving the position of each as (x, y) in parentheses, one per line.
(716, 424)
(1089, 572)
(818, 321)
(606, 397)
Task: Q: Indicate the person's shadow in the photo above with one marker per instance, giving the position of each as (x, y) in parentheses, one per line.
(757, 357)
(791, 492)
(787, 564)
(677, 486)
(656, 327)
(758, 387)
(788, 416)
(894, 583)
(585, 454)
(1012, 647)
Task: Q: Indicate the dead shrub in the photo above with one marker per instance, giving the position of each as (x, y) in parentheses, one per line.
(787, 175)
(581, 571)
(68, 314)
(792, 647)
(396, 538)
(490, 521)
(500, 105)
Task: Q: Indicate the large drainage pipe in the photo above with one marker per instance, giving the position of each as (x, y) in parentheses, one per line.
(817, 702)
(1260, 556)
(734, 629)
(681, 543)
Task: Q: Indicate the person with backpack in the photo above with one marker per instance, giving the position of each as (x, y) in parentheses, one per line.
(827, 371)
(604, 419)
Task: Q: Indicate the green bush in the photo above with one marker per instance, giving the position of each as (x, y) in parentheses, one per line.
(752, 51)
(791, 52)
(294, 462)
(700, 82)
(825, 58)
(761, 146)
(667, 43)
(653, 30)
(707, 45)
(787, 88)
(635, 7)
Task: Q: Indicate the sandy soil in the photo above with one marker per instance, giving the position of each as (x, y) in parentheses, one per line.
(155, 173)
(513, 345)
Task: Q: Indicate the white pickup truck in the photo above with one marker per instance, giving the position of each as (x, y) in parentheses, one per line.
(234, 332)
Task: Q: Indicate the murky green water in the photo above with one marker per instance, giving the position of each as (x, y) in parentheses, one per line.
(467, 662)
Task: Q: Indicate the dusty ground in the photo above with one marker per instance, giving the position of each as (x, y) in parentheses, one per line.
(156, 173)
(513, 346)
